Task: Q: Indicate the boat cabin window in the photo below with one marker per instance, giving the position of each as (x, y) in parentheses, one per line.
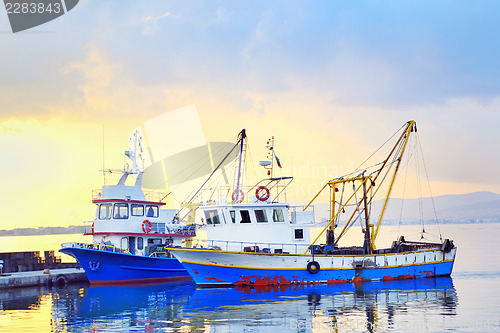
(278, 215)
(154, 241)
(233, 215)
(299, 233)
(137, 210)
(124, 243)
(212, 217)
(140, 243)
(105, 211)
(261, 215)
(151, 211)
(121, 211)
(245, 216)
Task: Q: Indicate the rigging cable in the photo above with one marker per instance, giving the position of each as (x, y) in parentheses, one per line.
(214, 155)
(178, 174)
(366, 160)
(429, 185)
(241, 137)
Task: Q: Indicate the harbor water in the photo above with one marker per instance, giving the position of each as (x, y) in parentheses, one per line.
(466, 302)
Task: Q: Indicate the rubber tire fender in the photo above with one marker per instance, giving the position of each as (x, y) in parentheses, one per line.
(60, 281)
(313, 267)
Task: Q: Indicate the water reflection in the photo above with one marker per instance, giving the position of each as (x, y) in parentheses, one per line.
(378, 306)
(21, 298)
(412, 305)
(142, 307)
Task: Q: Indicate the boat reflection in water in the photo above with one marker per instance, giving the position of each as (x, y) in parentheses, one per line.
(142, 307)
(417, 305)
(421, 304)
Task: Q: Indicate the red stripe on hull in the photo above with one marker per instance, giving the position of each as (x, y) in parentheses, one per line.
(137, 282)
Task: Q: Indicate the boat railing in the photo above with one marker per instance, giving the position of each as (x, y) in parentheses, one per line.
(96, 246)
(220, 194)
(161, 254)
(263, 247)
(188, 230)
(225, 194)
(153, 196)
(88, 227)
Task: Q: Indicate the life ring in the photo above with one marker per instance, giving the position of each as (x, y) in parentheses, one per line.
(313, 267)
(92, 228)
(238, 196)
(262, 196)
(147, 228)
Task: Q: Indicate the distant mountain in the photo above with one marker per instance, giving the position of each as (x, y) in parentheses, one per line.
(477, 206)
(471, 206)
(72, 229)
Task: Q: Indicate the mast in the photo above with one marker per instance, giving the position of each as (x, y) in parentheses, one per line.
(132, 155)
(330, 233)
(242, 136)
(272, 157)
(333, 184)
(268, 165)
(367, 246)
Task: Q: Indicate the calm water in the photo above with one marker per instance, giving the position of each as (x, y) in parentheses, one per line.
(467, 302)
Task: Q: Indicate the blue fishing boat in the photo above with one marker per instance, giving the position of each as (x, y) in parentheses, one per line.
(301, 263)
(130, 233)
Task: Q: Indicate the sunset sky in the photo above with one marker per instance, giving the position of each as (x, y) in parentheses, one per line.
(331, 80)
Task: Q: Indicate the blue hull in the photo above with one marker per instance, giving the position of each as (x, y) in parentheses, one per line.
(110, 268)
(220, 275)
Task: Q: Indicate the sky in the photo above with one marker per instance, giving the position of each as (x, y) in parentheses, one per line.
(330, 80)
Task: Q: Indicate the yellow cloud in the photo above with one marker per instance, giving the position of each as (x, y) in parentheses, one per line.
(99, 73)
(50, 169)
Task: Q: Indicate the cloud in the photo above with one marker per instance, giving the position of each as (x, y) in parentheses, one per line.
(223, 15)
(99, 73)
(151, 22)
(6, 128)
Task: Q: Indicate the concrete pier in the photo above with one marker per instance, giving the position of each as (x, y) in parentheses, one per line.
(56, 277)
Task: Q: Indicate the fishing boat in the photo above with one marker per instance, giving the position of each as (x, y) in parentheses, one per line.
(130, 232)
(250, 218)
(311, 263)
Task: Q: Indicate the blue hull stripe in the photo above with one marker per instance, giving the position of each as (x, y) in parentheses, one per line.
(211, 275)
(155, 269)
(103, 267)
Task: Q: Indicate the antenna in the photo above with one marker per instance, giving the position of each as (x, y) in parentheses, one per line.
(103, 169)
(132, 155)
(268, 165)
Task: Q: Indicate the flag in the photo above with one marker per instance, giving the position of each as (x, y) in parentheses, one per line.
(277, 160)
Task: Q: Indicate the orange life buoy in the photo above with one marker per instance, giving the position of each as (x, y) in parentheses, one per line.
(147, 228)
(262, 196)
(238, 196)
